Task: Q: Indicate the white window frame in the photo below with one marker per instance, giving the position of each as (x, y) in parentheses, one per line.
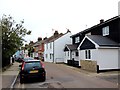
(65, 53)
(47, 46)
(68, 53)
(105, 31)
(87, 54)
(77, 39)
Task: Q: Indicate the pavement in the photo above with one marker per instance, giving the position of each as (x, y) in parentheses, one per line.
(9, 76)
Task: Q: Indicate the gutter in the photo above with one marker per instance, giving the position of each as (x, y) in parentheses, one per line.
(13, 83)
(108, 47)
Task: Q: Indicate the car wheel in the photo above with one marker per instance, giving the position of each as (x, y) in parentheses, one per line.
(44, 78)
(21, 80)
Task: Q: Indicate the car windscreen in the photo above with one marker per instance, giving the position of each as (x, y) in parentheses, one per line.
(28, 59)
(32, 65)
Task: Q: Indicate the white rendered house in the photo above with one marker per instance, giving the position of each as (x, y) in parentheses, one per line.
(54, 47)
(101, 50)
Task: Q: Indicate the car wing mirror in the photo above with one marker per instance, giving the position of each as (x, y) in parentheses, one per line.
(20, 65)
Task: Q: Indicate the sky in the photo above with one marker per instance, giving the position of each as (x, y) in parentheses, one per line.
(43, 17)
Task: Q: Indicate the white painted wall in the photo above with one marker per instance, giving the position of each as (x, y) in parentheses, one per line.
(59, 45)
(119, 57)
(119, 8)
(35, 54)
(66, 57)
(48, 52)
(58, 51)
(25, 53)
(106, 58)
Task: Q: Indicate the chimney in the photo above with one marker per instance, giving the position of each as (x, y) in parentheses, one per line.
(61, 33)
(56, 33)
(39, 39)
(31, 42)
(45, 38)
(101, 21)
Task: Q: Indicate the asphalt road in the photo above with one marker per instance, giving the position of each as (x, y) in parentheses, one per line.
(115, 78)
(63, 76)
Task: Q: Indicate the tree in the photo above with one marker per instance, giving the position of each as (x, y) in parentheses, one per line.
(30, 48)
(12, 36)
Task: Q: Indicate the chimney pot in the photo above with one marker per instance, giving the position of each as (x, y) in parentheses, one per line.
(102, 20)
(56, 33)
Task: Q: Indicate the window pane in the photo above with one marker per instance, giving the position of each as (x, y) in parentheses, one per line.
(77, 39)
(89, 54)
(86, 54)
(105, 31)
(77, 54)
(31, 65)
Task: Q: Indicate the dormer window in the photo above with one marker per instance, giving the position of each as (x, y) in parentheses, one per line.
(105, 30)
(77, 39)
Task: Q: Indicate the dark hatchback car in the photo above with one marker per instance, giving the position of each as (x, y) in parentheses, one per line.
(32, 69)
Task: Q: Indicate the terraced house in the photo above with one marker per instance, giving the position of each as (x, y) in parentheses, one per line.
(39, 48)
(99, 46)
(54, 45)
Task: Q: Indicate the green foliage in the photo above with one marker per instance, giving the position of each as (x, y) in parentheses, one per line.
(30, 50)
(12, 35)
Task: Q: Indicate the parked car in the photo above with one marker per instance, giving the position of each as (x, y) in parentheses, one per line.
(32, 69)
(18, 59)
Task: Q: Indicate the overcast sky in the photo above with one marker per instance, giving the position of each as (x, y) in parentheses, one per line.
(41, 16)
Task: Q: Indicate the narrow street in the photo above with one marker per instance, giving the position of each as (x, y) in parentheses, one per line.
(63, 76)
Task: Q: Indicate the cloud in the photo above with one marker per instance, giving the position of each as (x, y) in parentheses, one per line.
(42, 15)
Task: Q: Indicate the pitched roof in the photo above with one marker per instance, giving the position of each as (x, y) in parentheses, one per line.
(71, 47)
(53, 38)
(87, 30)
(38, 42)
(103, 41)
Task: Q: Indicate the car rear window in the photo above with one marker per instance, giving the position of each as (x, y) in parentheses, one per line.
(31, 65)
(25, 59)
